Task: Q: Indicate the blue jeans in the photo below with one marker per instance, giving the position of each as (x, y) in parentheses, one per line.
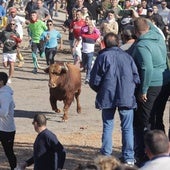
(87, 59)
(126, 117)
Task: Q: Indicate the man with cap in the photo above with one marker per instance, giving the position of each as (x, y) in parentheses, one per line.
(153, 12)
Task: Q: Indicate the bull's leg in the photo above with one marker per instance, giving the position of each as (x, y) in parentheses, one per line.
(78, 101)
(53, 103)
(67, 104)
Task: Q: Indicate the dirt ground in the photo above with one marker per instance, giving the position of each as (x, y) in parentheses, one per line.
(81, 134)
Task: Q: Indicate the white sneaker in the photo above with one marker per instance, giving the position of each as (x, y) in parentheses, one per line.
(9, 81)
(130, 164)
(86, 81)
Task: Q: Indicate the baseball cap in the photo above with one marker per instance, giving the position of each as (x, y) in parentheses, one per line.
(150, 10)
(12, 10)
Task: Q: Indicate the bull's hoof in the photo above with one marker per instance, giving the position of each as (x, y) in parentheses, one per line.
(64, 119)
(57, 110)
(79, 110)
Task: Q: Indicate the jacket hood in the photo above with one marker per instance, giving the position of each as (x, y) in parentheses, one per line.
(6, 89)
(152, 34)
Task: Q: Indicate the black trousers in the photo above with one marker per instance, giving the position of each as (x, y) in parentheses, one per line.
(7, 141)
(50, 54)
(37, 46)
(159, 107)
(143, 119)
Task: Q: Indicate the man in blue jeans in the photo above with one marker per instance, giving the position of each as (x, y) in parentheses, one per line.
(114, 77)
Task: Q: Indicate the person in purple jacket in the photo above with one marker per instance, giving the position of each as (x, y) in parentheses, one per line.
(114, 77)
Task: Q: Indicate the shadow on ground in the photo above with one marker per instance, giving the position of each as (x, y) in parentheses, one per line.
(29, 114)
(75, 155)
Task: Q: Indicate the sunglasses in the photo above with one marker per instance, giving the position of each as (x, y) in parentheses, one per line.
(49, 24)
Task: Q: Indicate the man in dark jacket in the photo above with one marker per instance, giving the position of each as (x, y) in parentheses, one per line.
(153, 12)
(31, 6)
(114, 77)
(93, 8)
(48, 152)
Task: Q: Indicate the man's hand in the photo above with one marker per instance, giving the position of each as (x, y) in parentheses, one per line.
(143, 98)
(60, 47)
(1, 45)
(23, 165)
(47, 38)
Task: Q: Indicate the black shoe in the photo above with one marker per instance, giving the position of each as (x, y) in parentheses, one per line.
(86, 82)
(141, 161)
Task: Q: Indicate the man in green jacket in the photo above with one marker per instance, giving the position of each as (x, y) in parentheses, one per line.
(150, 55)
(36, 28)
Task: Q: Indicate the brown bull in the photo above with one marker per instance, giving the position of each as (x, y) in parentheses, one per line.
(64, 84)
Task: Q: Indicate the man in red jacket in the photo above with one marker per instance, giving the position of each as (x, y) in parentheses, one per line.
(75, 27)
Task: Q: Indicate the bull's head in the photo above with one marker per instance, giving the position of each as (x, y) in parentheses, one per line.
(55, 71)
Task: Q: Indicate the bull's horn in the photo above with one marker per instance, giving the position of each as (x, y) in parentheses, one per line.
(65, 67)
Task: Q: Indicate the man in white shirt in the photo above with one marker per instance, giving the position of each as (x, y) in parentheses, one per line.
(157, 149)
(19, 29)
(164, 12)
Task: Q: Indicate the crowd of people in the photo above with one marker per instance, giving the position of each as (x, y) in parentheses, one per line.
(131, 73)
